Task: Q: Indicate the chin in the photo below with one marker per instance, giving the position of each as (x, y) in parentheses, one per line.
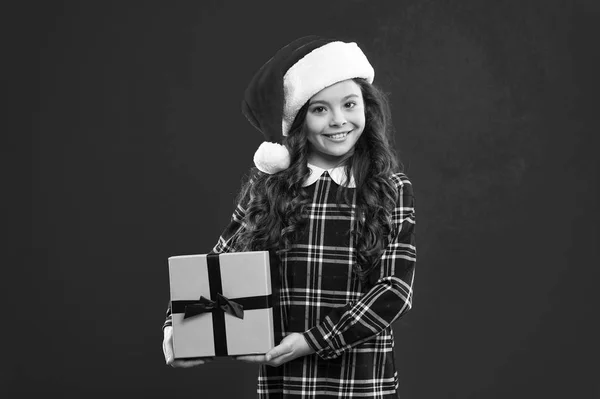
(338, 154)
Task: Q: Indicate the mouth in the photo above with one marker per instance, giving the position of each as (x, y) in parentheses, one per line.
(337, 136)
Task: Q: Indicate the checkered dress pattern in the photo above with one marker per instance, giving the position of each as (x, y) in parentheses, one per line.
(348, 324)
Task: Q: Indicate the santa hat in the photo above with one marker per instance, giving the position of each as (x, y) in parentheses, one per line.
(287, 81)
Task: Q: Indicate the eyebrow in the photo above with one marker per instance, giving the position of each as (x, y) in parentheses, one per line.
(326, 103)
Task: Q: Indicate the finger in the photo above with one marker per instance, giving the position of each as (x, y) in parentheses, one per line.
(187, 363)
(278, 361)
(277, 351)
(168, 351)
(251, 358)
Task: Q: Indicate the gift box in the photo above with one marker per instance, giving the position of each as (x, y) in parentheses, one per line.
(221, 304)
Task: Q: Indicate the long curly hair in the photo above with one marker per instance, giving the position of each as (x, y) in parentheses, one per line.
(276, 209)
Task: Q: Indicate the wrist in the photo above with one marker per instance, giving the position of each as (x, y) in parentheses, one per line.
(305, 348)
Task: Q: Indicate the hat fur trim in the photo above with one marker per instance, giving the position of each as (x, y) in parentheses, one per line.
(326, 65)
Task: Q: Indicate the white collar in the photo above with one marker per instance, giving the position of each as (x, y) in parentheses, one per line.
(337, 174)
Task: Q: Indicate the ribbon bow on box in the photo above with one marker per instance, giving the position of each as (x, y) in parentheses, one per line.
(222, 303)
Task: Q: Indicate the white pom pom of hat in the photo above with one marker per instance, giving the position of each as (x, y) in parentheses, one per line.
(272, 158)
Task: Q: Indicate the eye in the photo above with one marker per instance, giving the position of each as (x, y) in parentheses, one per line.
(318, 109)
(350, 104)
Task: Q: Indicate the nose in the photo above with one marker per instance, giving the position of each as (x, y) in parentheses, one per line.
(337, 118)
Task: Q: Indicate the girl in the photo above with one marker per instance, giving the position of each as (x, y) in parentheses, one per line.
(331, 202)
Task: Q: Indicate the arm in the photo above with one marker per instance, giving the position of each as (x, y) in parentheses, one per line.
(388, 299)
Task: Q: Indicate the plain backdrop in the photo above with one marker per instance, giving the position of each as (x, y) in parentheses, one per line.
(129, 116)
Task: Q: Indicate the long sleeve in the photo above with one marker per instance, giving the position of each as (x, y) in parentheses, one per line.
(390, 296)
(226, 242)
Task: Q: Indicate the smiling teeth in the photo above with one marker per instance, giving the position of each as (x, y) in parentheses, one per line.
(338, 136)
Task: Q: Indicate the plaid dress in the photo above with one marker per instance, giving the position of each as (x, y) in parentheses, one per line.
(347, 323)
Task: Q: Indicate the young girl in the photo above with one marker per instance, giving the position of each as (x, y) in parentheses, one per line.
(331, 202)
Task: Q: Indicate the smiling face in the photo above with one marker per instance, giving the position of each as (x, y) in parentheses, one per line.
(334, 122)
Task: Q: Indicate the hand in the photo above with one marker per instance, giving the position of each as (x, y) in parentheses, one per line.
(168, 351)
(291, 347)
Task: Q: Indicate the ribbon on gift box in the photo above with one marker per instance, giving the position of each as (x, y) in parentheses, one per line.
(206, 305)
(220, 306)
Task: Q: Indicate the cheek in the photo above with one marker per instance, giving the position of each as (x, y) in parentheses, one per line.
(313, 127)
(360, 119)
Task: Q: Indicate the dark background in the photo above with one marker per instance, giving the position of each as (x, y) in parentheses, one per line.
(138, 147)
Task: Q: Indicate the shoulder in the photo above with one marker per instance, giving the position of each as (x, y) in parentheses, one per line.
(253, 183)
(252, 179)
(248, 186)
(402, 183)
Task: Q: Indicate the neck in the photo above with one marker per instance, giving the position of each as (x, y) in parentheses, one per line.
(325, 161)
